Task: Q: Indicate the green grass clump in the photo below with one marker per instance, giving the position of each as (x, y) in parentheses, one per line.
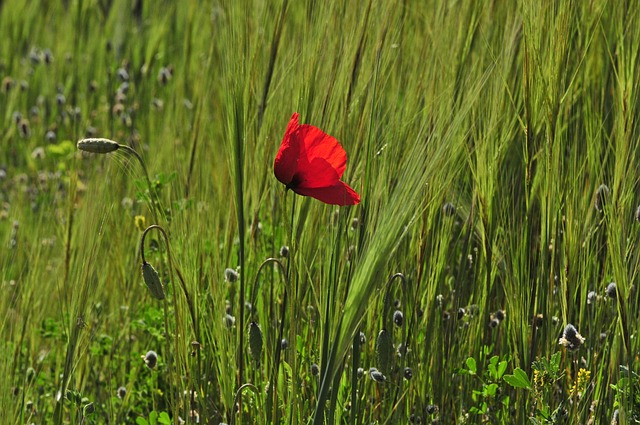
(494, 146)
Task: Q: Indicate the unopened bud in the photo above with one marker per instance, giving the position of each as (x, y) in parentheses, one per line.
(152, 280)
(255, 342)
(384, 351)
(97, 145)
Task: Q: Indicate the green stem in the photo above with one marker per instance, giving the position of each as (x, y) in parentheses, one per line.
(154, 202)
(238, 395)
(272, 409)
(174, 394)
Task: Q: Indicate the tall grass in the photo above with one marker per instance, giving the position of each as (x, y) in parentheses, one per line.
(478, 135)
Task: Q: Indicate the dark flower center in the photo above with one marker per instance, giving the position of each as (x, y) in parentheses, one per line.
(295, 181)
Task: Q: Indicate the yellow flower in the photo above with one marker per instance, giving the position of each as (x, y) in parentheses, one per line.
(140, 222)
(581, 382)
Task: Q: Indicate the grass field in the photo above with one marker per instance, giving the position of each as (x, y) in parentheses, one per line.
(494, 145)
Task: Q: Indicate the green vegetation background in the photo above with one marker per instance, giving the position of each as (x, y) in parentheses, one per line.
(514, 113)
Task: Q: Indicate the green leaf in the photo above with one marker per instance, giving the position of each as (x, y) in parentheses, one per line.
(496, 368)
(493, 361)
(471, 365)
(492, 371)
(141, 421)
(64, 148)
(502, 368)
(555, 362)
(505, 401)
(164, 419)
(490, 390)
(519, 379)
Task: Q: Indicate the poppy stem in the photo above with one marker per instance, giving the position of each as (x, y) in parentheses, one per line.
(273, 414)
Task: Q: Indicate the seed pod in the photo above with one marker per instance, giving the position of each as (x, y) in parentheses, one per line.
(7, 84)
(23, 128)
(255, 342)
(315, 369)
(91, 131)
(571, 338)
(164, 75)
(151, 359)
(384, 351)
(398, 318)
(47, 56)
(152, 280)
(408, 373)
(538, 320)
(602, 196)
(430, 409)
(448, 209)
(248, 307)
(376, 375)
(230, 275)
(612, 291)
(97, 145)
(123, 74)
(121, 392)
(229, 320)
(195, 347)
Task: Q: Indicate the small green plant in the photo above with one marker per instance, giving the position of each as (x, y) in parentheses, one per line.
(627, 394)
(155, 418)
(547, 374)
(81, 406)
(491, 401)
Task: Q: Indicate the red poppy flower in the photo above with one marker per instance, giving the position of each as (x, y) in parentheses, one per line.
(311, 163)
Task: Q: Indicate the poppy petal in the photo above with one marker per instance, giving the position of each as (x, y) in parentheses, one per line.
(338, 194)
(315, 174)
(315, 143)
(286, 162)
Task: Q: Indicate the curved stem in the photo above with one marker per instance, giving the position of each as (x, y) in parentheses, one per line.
(236, 398)
(153, 198)
(166, 309)
(387, 296)
(256, 283)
